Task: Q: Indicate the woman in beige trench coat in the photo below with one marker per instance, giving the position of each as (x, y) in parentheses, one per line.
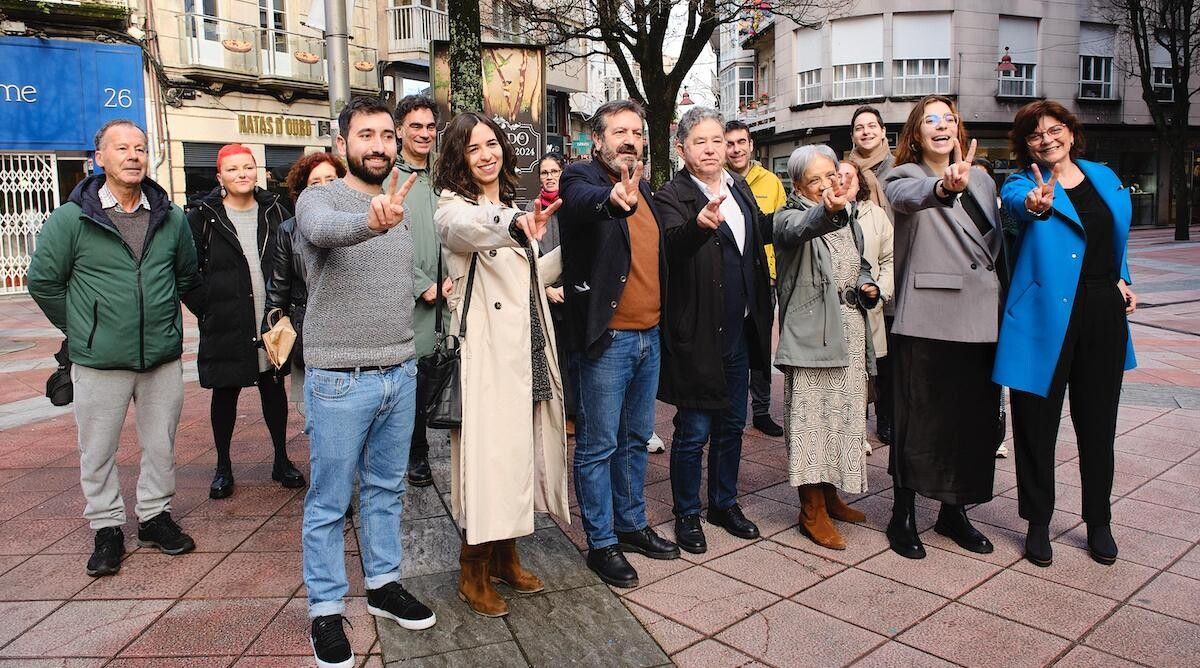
(508, 459)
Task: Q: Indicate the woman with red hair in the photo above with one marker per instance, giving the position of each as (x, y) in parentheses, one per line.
(234, 228)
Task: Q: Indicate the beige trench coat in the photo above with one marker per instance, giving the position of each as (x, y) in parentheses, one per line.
(877, 249)
(509, 458)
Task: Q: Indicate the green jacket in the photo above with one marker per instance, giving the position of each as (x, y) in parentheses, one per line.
(118, 311)
(419, 206)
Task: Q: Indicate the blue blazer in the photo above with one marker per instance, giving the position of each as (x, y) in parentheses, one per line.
(1049, 257)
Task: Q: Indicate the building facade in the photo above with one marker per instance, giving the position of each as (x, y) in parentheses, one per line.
(806, 82)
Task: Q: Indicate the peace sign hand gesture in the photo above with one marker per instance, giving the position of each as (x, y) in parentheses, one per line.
(958, 173)
(834, 197)
(1041, 197)
(710, 217)
(387, 211)
(533, 224)
(624, 193)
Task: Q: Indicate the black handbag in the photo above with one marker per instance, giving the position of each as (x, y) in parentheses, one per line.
(439, 389)
(59, 389)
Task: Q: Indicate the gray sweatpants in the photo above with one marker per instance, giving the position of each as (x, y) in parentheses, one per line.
(101, 401)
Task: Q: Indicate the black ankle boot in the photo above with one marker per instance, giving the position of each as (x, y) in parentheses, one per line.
(1101, 545)
(952, 523)
(902, 529)
(1037, 545)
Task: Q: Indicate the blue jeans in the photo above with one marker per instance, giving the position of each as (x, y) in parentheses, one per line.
(694, 427)
(361, 423)
(614, 419)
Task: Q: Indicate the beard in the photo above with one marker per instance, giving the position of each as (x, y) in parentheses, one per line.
(614, 158)
(358, 167)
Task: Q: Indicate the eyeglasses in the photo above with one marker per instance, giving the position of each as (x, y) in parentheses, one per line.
(551, 172)
(1053, 132)
(935, 119)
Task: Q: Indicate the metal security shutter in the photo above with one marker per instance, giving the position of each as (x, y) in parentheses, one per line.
(196, 154)
(282, 156)
(28, 193)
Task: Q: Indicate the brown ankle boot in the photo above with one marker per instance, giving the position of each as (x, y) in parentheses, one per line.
(837, 508)
(474, 587)
(505, 566)
(814, 520)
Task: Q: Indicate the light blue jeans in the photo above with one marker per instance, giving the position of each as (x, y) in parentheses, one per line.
(358, 422)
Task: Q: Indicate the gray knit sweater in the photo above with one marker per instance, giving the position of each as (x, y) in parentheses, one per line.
(360, 306)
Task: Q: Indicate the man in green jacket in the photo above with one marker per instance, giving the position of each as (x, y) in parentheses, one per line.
(109, 270)
(416, 128)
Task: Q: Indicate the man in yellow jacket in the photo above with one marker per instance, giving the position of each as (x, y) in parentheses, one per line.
(768, 191)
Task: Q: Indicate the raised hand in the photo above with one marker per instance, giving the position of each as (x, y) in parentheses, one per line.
(710, 217)
(387, 211)
(834, 197)
(625, 191)
(1041, 197)
(534, 224)
(958, 173)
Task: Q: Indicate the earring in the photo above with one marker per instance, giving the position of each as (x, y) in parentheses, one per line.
(223, 192)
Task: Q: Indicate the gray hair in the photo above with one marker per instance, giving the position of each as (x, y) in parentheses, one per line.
(599, 120)
(802, 157)
(99, 138)
(695, 116)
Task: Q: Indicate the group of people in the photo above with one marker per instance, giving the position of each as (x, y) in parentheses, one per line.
(888, 270)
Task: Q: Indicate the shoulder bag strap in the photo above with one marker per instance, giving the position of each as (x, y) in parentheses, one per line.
(462, 321)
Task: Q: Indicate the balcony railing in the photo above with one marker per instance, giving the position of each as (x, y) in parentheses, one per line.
(230, 47)
(412, 28)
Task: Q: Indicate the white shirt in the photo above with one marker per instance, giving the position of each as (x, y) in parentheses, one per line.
(108, 200)
(729, 208)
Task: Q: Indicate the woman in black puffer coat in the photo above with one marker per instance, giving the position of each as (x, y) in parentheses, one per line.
(235, 229)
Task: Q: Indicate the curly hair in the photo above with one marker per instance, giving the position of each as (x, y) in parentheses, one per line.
(454, 174)
(297, 177)
(1026, 122)
(908, 146)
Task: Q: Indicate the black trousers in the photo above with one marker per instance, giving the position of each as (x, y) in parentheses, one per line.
(419, 448)
(884, 381)
(1091, 363)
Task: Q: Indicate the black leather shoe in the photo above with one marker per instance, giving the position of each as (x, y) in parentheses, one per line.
(952, 523)
(285, 473)
(222, 485)
(419, 473)
(613, 568)
(766, 425)
(902, 529)
(648, 543)
(732, 520)
(106, 559)
(884, 431)
(1101, 545)
(1037, 545)
(690, 535)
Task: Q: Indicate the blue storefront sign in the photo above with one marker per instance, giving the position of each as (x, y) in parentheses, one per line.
(55, 94)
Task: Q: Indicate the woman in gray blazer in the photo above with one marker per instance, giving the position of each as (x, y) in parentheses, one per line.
(950, 280)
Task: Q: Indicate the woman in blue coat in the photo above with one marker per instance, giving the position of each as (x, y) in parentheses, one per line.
(1064, 322)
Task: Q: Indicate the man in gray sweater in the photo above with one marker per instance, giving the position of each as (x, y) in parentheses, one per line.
(360, 378)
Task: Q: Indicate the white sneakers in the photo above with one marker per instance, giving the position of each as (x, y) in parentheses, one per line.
(655, 444)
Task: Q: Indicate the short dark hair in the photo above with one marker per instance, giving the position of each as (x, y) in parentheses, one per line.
(411, 103)
(599, 120)
(735, 124)
(1026, 121)
(454, 175)
(865, 109)
(556, 157)
(360, 106)
(112, 124)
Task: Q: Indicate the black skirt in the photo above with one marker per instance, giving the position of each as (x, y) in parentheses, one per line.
(946, 416)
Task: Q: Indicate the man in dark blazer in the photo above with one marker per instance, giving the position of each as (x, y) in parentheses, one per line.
(718, 324)
(614, 282)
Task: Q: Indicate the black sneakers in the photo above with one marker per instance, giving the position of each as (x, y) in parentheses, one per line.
(391, 601)
(330, 645)
(106, 558)
(162, 532)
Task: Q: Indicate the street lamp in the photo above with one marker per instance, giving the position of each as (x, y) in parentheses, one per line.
(1006, 64)
(686, 100)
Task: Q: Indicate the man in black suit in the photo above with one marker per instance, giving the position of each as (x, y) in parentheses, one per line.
(614, 280)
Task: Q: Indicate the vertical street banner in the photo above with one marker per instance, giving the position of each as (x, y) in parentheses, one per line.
(514, 96)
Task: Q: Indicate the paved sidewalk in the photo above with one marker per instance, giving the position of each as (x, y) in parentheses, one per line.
(780, 600)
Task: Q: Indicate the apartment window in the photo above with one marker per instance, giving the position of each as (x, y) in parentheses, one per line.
(553, 126)
(1163, 84)
(195, 26)
(1019, 35)
(729, 91)
(921, 53)
(506, 20)
(1096, 77)
(921, 76)
(857, 81)
(809, 87)
(272, 18)
(745, 85)
(1019, 83)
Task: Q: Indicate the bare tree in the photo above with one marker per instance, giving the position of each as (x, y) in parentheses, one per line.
(466, 56)
(634, 33)
(1174, 27)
